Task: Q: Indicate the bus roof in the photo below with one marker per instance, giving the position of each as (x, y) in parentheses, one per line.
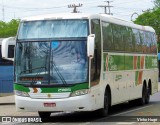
(1, 39)
(103, 17)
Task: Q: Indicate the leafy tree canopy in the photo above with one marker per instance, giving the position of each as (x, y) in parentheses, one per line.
(8, 29)
(151, 18)
(157, 3)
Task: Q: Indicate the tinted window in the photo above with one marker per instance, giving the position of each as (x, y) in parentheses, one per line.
(11, 51)
(107, 36)
(142, 41)
(53, 29)
(122, 38)
(136, 37)
(96, 61)
(147, 41)
(117, 37)
(153, 45)
(127, 37)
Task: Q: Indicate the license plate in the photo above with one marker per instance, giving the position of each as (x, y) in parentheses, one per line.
(49, 104)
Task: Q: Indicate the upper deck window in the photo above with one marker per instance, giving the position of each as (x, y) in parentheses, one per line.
(53, 29)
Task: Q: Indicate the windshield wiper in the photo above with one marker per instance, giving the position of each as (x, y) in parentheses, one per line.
(32, 69)
(58, 73)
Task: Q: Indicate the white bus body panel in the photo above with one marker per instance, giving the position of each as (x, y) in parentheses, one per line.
(88, 102)
(121, 90)
(65, 104)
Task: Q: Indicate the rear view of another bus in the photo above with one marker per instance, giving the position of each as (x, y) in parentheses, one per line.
(6, 72)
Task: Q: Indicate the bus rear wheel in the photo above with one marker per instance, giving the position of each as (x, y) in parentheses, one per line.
(44, 115)
(147, 96)
(142, 100)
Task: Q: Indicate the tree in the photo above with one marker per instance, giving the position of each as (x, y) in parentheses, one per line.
(157, 3)
(151, 18)
(8, 29)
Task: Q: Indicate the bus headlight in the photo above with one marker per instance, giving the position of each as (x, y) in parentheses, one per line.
(79, 92)
(20, 93)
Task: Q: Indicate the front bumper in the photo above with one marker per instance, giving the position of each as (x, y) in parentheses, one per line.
(77, 103)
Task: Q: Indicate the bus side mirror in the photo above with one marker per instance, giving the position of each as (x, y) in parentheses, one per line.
(5, 47)
(90, 45)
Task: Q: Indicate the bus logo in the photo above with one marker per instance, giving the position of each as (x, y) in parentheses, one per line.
(49, 95)
(118, 77)
(64, 90)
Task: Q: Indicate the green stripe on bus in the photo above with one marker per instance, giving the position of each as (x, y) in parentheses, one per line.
(54, 90)
(80, 86)
(138, 63)
(136, 77)
(104, 62)
(151, 62)
(65, 89)
(128, 62)
(116, 62)
(21, 88)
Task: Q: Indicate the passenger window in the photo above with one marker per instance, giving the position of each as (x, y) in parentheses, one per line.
(148, 40)
(128, 40)
(117, 37)
(107, 37)
(153, 45)
(138, 42)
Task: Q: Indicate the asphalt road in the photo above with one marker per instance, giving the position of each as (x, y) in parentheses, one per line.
(121, 114)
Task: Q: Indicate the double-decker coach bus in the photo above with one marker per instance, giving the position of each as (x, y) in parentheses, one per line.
(83, 62)
(6, 72)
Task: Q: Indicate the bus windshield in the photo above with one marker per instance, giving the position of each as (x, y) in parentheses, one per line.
(51, 62)
(53, 29)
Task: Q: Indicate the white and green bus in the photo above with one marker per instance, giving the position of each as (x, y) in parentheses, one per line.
(82, 62)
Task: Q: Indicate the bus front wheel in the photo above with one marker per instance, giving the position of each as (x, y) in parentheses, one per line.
(104, 111)
(44, 114)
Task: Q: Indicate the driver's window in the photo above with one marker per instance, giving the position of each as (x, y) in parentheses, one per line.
(96, 61)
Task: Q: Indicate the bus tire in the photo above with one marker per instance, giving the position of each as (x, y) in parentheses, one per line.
(104, 111)
(44, 115)
(142, 100)
(147, 96)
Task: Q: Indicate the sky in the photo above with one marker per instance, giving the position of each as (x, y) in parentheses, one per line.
(17, 9)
